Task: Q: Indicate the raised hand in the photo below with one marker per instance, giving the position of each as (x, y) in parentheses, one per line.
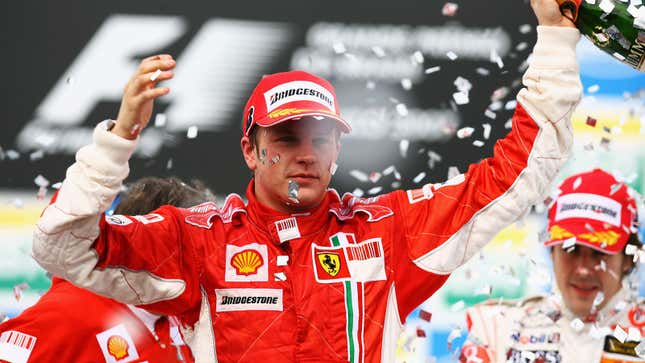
(139, 95)
(548, 13)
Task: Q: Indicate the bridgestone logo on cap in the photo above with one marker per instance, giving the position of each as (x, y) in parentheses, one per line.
(298, 91)
(589, 206)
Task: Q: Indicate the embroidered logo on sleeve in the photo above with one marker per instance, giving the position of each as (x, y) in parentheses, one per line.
(118, 220)
(16, 347)
(247, 263)
(117, 345)
(149, 218)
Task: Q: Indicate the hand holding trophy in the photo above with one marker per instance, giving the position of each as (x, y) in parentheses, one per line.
(616, 27)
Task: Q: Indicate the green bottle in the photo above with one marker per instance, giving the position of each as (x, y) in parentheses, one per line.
(615, 26)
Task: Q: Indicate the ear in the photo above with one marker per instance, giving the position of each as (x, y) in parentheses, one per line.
(248, 151)
(628, 264)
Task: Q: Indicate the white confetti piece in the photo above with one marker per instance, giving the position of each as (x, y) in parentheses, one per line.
(487, 129)
(418, 57)
(57, 185)
(280, 276)
(482, 71)
(490, 114)
(607, 6)
(282, 260)
(36, 155)
(370, 85)
(452, 55)
(640, 349)
(577, 325)
(358, 175)
(620, 334)
(485, 290)
(332, 169)
(525, 28)
(619, 56)
(593, 89)
(419, 177)
(155, 75)
(406, 83)
(600, 297)
(453, 171)
(521, 46)
(389, 170)
(18, 289)
(339, 48)
(465, 132)
(378, 51)
(358, 192)
(630, 250)
(404, 145)
(461, 98)
(169, 164)
(432, 70)
(160, 120)
(12, 154)
(192, 132)
(454, 334)
(449, 9)
(401, 109)
(374, 190)
(463, 84)
(478, 143)
(41, 181)
(510, 105)
(374, 176)
(633, 335)
(577, 182)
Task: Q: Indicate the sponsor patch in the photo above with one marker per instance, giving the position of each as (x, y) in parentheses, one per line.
(616, 349)
(298, 91)
(248, 299)
(522, 356)
(423, 193)
(247, 263)
(16, 347)
(149, 218)
(359, 262)
(117, 345)
(118, 220)
(590, 206)
(287, 229)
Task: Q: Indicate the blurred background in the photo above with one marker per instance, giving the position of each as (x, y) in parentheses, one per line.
(408, 75)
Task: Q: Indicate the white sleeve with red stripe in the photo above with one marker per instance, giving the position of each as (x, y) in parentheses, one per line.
(447, 224)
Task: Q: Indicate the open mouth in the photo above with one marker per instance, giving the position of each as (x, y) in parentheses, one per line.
(585, 290)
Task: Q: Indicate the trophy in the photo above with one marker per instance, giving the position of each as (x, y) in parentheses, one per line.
(616, 27)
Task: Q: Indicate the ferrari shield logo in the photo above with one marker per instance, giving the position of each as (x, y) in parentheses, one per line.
(330, 262)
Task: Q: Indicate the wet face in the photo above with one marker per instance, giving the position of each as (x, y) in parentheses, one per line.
(579, 275)
(297, 153)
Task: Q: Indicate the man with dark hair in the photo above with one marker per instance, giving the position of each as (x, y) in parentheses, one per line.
(594, 316)
(299, 274)
(71, 324)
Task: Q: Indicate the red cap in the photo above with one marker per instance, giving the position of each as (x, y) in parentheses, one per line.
(596, 209)
(284, 96)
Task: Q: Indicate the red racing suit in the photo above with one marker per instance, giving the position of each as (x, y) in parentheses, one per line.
(70, 324)
(331, 285)
(541, 329)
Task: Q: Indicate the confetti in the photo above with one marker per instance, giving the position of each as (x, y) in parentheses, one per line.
(630, 250)
(490, 114)
(449, 9)
(160, 120)
(374, 190)
(370, 85)
(358, 192)
(378, 51)
(615, 188)
(169, 164)
(18, 289)
(192, 132)
(465, 132)
(374, 176)
(461, 98)
(593, 89)
(406, 83)
(633, 334)
(282, 260)
(591, 121)
(525, 28)
(568, 243)
(620, 334)
(425, 315)
(41, 181)
(607, 6)
(577, 325)
(292, 191)
(12, 154)
(510, 105)
(432, 70)
(640, 349)
(452, 55)
(403, 147)
(280, 276)
(600, 297)
(155, 75)
(401, 109)
(577, 182)
(332, 169)
(487, 129)
(453, 172)
(478, 143)
(485, 290)
(421, 333)
(521, 46)
(482, 71)
(463, 84)
(419, 177)
(418, 57)
(57, 185)
(339, 48)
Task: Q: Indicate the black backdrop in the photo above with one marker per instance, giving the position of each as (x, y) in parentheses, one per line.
(44, 38)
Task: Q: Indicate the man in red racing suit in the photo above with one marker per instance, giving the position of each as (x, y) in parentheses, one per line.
(301, 274)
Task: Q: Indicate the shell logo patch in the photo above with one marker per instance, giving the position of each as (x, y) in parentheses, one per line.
(117, 345)
(247, 262)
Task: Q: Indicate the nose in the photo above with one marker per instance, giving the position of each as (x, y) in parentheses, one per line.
(584, 265)
(306, 153)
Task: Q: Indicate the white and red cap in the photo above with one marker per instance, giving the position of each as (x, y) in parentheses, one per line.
(595, 209)
(290, 95)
